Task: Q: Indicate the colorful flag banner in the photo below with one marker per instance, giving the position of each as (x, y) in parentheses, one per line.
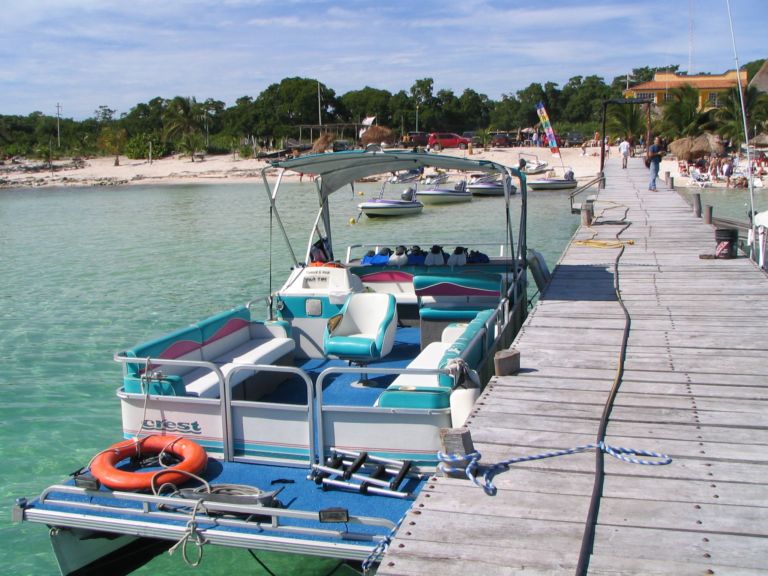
(551, 139)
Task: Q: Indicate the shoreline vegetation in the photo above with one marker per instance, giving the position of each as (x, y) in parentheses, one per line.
(226, 169)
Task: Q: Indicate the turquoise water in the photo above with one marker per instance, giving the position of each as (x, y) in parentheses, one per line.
(88, 271)
(730, 202)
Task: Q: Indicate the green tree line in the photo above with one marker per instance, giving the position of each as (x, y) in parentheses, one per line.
(184, 125)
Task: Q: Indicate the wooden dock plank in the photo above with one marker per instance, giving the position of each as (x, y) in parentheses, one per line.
(694, 386)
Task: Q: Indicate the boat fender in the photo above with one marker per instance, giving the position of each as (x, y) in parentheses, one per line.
(462, 401)
(539, 269)
(104, 464)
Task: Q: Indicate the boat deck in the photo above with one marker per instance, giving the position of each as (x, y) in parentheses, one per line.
(694, 386)
(235, 523)
(336, 390)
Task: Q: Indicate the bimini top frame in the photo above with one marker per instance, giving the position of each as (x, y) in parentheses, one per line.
(334, 171)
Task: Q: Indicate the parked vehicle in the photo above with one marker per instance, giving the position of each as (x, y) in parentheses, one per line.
(440, 140)
(341, 145)
(415, 139)
(574, 139)
(500, 140)
(473, 138)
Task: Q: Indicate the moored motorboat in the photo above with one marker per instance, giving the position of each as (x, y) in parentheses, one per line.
(530, 164)
(485, 185)
(321, 420)
(445, 194)
(381, 207)
(435, 179)
(405, 176)
(567, 182)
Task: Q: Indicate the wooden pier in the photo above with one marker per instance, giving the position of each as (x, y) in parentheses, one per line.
(694, 386)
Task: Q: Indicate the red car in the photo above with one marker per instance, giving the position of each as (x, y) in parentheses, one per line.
(440, 140)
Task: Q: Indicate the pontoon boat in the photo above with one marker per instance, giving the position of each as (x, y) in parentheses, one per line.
(310, 430)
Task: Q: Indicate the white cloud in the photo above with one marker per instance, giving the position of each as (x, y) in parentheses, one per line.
(93, 52)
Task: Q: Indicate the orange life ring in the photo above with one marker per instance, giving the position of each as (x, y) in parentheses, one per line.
(104, 465)
(327, 264)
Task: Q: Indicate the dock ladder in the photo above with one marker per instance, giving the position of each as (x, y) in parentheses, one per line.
(363, 473)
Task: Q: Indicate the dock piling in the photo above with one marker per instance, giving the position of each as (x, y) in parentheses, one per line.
(697, 204)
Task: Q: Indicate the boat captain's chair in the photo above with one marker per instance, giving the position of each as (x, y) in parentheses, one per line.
(364, 331)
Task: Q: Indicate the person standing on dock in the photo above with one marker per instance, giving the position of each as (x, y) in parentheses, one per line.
(624, 151)
(654, 162)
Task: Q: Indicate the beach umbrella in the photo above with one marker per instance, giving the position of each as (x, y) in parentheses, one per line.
(682, 148)
(322, 144)
(691, 148)
(760, 140)
(378, 135)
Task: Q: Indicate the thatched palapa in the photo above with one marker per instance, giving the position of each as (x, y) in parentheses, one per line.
(691, 148)
(378, 135)
(323, 143)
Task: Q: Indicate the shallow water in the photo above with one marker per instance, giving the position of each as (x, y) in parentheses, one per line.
(89, 271)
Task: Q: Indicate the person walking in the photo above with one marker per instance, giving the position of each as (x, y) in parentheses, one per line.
(624, 151)
(654, 162)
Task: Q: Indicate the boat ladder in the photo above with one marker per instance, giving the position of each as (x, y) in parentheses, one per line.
(363, 473)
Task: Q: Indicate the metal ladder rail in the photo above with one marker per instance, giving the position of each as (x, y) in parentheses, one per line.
(576, 208)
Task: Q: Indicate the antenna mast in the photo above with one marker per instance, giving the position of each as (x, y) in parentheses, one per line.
(750, 179)
(691, 8)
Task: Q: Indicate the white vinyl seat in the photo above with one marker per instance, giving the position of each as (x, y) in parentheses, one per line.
(365, 330)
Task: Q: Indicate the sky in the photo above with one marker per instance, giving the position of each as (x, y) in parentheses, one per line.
(83, 54)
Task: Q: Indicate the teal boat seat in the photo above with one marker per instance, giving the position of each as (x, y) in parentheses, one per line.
(469, 342)
(364, 330)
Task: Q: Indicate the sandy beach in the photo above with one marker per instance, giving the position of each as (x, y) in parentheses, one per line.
(228, 169)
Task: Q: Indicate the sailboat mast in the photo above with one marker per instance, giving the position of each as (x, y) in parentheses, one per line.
(750, 181)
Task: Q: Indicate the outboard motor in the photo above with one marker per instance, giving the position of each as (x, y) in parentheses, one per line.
(408, 194)
(569, 175)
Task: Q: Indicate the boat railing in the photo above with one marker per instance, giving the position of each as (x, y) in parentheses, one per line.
(210, 515)
(355, 416)
(225, 395)
(158, 375)
(598, 180)
(378, 245)
(304, 410)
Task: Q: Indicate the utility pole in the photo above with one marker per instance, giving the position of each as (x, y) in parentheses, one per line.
(58, 125)
(319, 109)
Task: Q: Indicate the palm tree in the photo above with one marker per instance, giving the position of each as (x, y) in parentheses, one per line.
(727, 119)
(682, 115)
(626, 120)
(181, 122)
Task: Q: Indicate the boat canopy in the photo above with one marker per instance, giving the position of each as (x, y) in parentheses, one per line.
(341, 168)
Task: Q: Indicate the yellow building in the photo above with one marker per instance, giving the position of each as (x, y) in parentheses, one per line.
(710, 86)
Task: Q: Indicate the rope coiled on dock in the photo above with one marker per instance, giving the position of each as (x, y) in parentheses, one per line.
(470, 463)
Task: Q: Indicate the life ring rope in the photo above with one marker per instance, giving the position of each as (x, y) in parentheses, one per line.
(103, 466)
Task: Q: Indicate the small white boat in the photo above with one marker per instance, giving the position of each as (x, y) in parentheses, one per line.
(405, 176)
(446, 195)
(488, 185)
(532, 164)
(567, 182)
(406, 205)
(435, 179)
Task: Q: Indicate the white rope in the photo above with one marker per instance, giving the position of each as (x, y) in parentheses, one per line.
(191, 533)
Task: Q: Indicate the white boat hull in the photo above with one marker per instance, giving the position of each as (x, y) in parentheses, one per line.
(390, 209)
(443, 196)
(552, 184)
